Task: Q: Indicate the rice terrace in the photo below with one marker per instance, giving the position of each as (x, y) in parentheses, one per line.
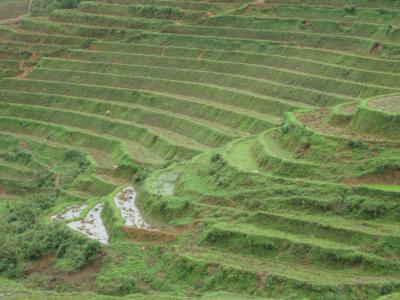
(200, 149)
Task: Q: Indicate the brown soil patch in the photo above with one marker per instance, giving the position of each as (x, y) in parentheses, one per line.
(260, 4)
(82, 280)
(24, 73)
(35, 56)
(92, 47)
(25, 145)
(391, 178)
(11, 21)
(261, 280)
(389, 104)
(57, 180)
(248, 9)
(316, 120)
(10, 11)
(349, 109)
(200, 56)
(303, 150)
(376, 48)
(306, 23)
(147, 235)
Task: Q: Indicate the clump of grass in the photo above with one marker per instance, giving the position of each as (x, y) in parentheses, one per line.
(70, 155)
(45, 179)
(18, 155)
(384, 11)
(217, 163)
(285, 127)
(356, 144)
(390, 29)
(141, 174)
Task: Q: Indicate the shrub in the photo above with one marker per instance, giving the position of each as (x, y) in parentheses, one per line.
(69, 154)
(217, 163)
(374, 208)
(390, 29)
(45, 7)
(384, 11)
(18, 155)
(356, 144)
(75, 156)
(44, 179)
(8, 256)
(351, 8)
(142, 174)
(66, 3)
(285, 127)
(216, 157)
(24, 236)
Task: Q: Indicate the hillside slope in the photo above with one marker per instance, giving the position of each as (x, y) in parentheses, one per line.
(262, 136)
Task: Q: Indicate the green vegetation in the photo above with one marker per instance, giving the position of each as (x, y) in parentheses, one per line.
(262, 139)
(45, 7)
(379, 116)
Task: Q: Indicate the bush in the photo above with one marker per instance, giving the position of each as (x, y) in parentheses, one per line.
(70, 155)
(384, 11)
(217, 163)
(18, 155)
(374, 208)
(285, 127)
(357, 144)
(44, 179)
(66, 3)
(74, 249)
(390, 29)
(216, 157)
(142, 174)
(351, 8)
(8, 256)
(24, 236)
(45, 7)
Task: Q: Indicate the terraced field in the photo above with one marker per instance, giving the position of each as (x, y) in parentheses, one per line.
(263, 138)
(10, 9)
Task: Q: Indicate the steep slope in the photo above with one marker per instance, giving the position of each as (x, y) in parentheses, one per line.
(270, 129)
(302, 209)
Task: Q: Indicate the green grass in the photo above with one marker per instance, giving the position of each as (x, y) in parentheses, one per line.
(259, 137)
(384, 121)
(385, 187)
